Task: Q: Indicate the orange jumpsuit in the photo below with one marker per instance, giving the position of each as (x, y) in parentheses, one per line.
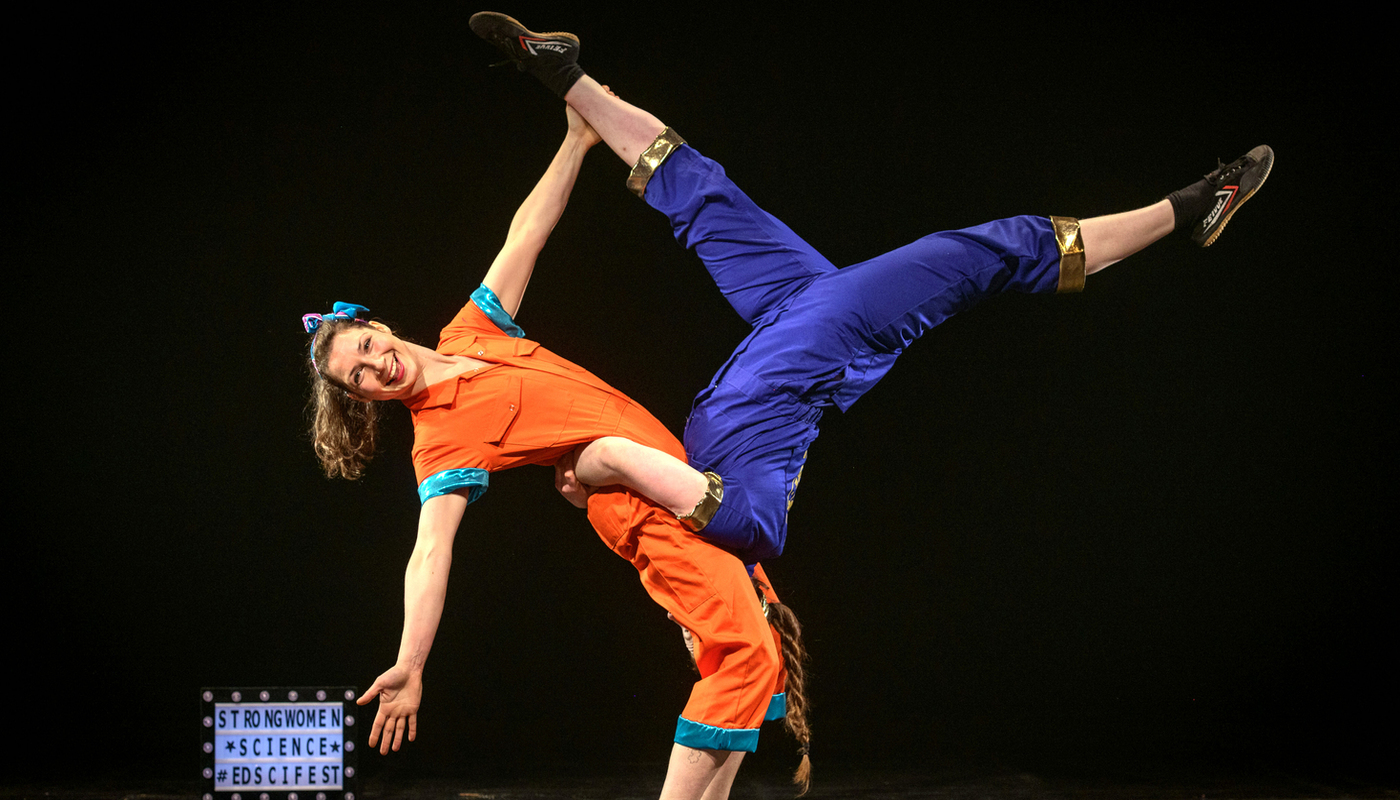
(529, 406)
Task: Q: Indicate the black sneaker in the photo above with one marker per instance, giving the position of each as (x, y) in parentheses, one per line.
(1215, 199)
(550, 57)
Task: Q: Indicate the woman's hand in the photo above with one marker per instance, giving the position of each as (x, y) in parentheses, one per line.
(686, 635)
(399, 692)
(579, 127)
(566, 481)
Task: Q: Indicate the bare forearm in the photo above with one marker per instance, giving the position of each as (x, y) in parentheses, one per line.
(545, 204)
(533, 222)
(425, 579)
(425, 592)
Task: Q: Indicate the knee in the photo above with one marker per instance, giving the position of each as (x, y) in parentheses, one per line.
(767, 664)
(755, 650)
(747, 641)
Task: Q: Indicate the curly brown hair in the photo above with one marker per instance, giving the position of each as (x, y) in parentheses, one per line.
(344, 428)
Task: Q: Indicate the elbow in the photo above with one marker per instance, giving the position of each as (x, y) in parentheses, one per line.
(436, 556)
(529, 236)
(430, 557)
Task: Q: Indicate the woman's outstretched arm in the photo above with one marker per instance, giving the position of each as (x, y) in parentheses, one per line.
(400, 689)
(535, 220)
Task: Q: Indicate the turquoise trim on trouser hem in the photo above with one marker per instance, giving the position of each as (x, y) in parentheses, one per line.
(777, 707)
(708, 737)
(450, 480)
(490, 305)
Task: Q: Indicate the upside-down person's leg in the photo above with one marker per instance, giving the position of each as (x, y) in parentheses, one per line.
(1112, 238)
(842, 333)
(853, 323)
(756, 260)
(758, 263)
(1199, 211)
(628, 130)
(552, 58)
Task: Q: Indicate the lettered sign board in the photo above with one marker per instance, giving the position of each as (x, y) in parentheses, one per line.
(279, 743)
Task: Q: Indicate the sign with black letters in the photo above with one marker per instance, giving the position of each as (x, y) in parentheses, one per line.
(279, 743)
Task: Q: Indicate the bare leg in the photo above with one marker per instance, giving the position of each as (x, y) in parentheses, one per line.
(665, 479)
(692, 772)
(628, 130)
(1112, 238)
(723, 780)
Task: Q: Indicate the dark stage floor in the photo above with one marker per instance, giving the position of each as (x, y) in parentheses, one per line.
(1011, 779)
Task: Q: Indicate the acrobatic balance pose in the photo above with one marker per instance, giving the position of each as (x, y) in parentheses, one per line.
(821, 338)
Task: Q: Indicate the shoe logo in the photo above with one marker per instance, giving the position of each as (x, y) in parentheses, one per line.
(1223, 199)
(534, 46)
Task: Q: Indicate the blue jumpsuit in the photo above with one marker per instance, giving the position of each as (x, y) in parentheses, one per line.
(821, 336)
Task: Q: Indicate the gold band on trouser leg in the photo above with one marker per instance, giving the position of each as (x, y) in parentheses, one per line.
(1071, 246)
(651, 159)
(704, 510)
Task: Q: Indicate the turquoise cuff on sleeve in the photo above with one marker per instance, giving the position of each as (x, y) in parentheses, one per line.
(450, 480)
(708, 737)
(490, 305)
(777, 707)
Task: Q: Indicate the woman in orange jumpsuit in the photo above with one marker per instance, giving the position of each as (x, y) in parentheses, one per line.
(487, 399)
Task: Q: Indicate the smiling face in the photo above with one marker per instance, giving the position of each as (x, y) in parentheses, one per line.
(372, 361)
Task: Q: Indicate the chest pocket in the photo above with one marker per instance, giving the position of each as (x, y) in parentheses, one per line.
(497, 420)
(508, 424)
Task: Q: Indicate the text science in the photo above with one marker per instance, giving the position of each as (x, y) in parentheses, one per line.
(279, 743)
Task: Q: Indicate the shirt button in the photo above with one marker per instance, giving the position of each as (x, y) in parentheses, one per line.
(481, 352)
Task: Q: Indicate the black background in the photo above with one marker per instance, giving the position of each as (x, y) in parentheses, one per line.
(1143, 519)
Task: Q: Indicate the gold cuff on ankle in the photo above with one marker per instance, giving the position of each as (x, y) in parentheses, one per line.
(704, 510)
(651, 159)
(1071, 247)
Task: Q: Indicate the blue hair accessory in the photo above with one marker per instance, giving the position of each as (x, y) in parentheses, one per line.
(312, 323)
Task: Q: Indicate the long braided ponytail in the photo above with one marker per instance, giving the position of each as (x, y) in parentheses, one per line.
(784, 621)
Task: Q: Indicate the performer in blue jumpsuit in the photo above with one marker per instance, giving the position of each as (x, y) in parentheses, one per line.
(822, 336)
